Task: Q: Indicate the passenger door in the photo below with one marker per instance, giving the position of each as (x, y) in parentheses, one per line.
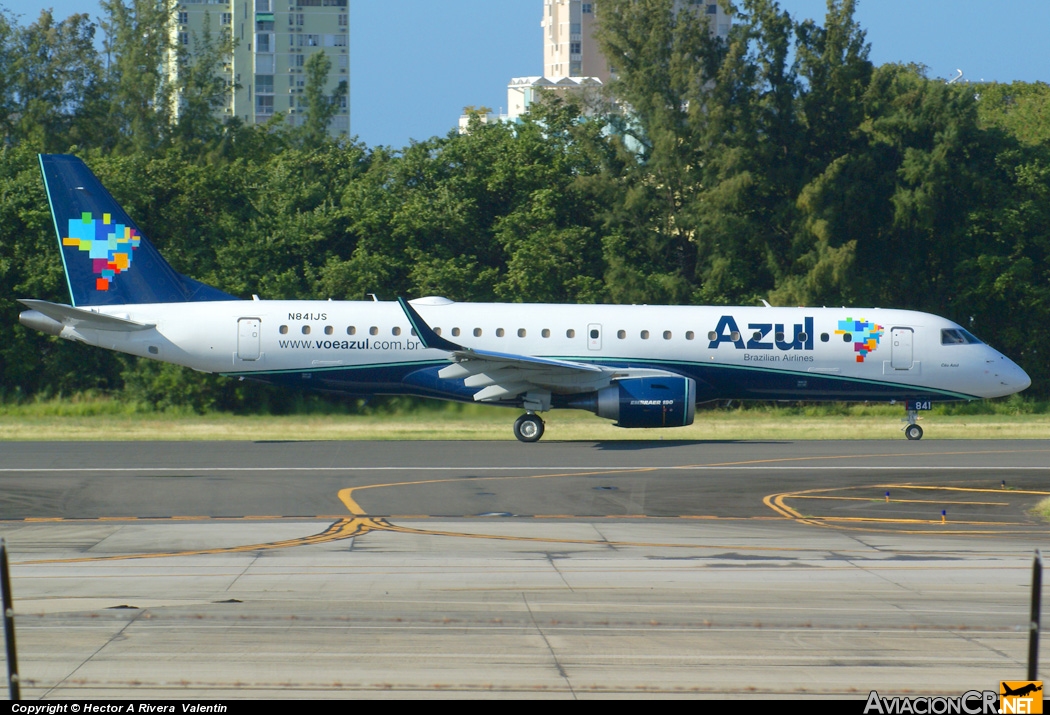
(901, 352)
(248, 339)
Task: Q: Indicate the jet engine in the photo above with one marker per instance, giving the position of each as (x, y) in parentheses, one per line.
(644, 402)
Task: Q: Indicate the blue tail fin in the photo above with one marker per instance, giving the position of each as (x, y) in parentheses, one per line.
(107, 259)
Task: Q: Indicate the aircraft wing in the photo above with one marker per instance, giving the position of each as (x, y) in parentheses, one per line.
(506, 376)
(80, 318)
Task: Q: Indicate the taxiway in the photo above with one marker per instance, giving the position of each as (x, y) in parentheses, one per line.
(337, 569)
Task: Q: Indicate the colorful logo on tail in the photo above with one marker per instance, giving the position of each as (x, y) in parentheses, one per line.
(864, 335)
(109, 246)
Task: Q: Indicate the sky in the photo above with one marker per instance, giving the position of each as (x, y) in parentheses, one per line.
(416, 63)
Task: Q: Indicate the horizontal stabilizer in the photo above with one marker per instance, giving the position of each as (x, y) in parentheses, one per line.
(86, 319)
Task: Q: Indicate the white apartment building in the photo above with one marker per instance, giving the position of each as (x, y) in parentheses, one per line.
(572, 61)
(523, 91)
(274, 38)
(569, 47)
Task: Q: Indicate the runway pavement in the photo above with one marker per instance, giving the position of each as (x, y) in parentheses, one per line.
(393, 569)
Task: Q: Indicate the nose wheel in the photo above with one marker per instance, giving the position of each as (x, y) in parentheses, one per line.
(912, 431)
(528, 428)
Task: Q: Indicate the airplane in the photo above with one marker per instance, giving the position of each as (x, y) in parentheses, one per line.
(1026, 689)
(642, 366)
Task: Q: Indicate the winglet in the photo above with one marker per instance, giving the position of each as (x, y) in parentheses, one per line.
(426, 335)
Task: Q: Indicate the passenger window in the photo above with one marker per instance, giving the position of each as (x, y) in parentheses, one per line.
(351, 330)
(621, 334)
(757, 336)
(645, 335)
(455, 332)
(284, 330)
(667, 335)
(500, 332)
(477, 332)
(546, 333)
(306, 330)
(802, 337)
(690, 335)
(328, 330)
(780, 337)
(847, 337)
(413, 333)
(712, 336)
(824, 337)
(396, 331)
(373, 330)
(735, 336)
(521, 332)
(594, 335)
(570, 333)
(437, 331)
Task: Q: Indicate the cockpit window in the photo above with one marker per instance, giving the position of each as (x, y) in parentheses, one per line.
(958, 336)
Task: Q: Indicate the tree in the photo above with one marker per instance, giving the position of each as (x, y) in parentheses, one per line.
(201, 88)
(55, 81)
(664, 61)
(320, 107)
(138, 42)
(8, 112)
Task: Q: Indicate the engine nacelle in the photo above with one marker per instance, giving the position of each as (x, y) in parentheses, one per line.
(644, 402)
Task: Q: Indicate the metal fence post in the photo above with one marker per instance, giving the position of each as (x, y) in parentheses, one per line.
(9, 625)
(1033, 625)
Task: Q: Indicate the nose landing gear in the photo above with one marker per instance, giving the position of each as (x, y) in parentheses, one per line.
(528, 427)
(912, 430)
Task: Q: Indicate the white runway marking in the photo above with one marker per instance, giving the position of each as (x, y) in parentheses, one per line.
(694, 468)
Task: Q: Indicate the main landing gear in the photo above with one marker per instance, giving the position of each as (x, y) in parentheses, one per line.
(528, 428)
(912, 431)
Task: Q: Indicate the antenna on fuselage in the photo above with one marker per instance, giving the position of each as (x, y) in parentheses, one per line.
(373, 297)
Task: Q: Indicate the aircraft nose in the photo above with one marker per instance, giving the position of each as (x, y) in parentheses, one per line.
(1022, 377)
(1014, 376)
(1005, 376)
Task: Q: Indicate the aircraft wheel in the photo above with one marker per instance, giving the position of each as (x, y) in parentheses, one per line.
(913, 432)
(528, 428)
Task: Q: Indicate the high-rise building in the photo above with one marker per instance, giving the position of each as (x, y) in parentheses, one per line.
(569, 46)
(274, 39)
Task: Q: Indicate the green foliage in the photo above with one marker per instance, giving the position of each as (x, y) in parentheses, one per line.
(320, 108)
(201, 86)
(138, 38)
(1020, 109)
(776, 163)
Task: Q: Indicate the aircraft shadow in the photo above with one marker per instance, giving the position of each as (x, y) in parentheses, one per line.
(632, 446)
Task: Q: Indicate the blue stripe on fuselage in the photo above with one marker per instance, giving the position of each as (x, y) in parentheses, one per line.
(714, 382)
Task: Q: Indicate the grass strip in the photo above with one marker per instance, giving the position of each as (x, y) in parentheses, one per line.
(1042, 510)
(487, 423)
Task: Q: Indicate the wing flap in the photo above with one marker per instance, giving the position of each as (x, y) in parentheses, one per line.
(494, 393)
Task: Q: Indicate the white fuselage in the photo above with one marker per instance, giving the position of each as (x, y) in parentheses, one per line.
(735, 351)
